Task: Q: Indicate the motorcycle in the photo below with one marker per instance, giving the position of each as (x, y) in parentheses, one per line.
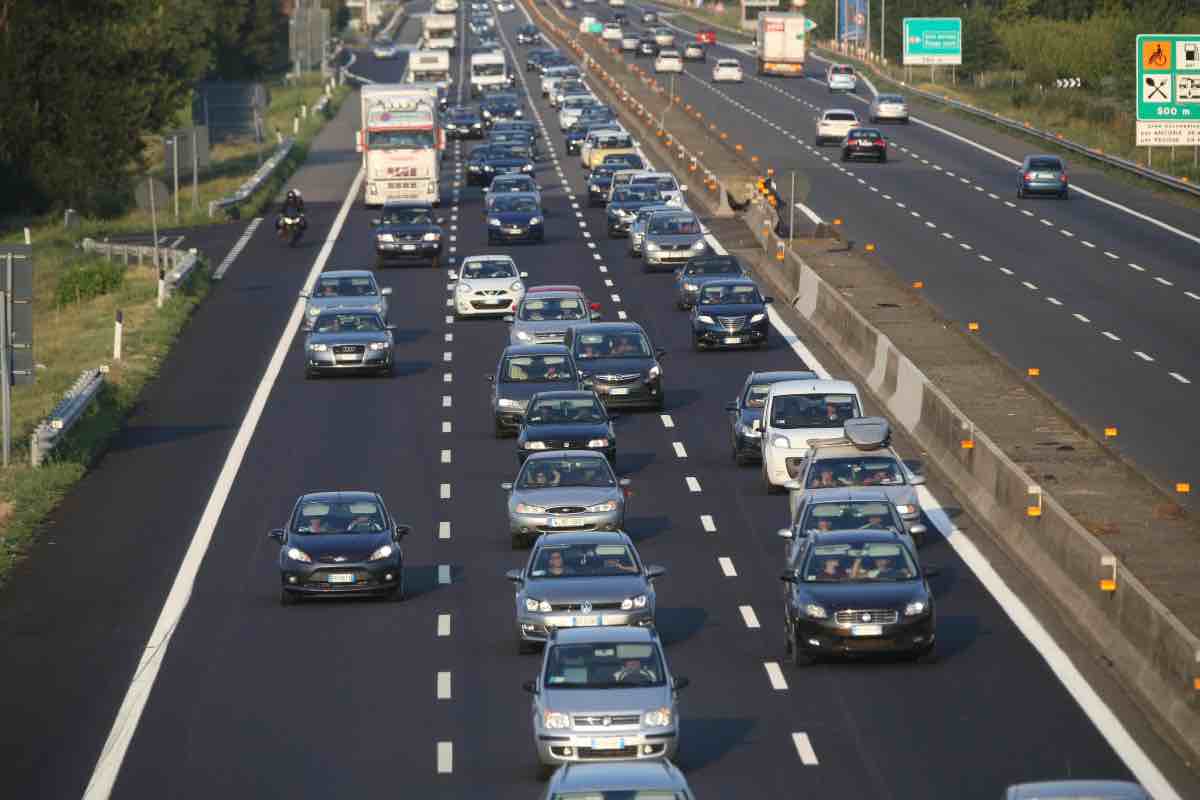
(290, 229)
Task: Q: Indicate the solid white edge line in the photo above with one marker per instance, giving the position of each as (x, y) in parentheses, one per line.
(112, 755)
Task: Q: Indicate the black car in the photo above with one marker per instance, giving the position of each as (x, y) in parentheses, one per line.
(553, 60)
(623, 161)
(527, 126)
(519, 142)
(464, 123)
(500, 105)
(567, 421)
(624, 205)
(647, 47)
(598, 183)
(699, 271)
(617, 361)
(515, 217)
(523, 371)
(528, 34)
(730, 313)
(407, 231)
(864, 143)
(745, 413)
(534, 58)
(485, 163)
(578, 130)
(340, 543)
(858, 592)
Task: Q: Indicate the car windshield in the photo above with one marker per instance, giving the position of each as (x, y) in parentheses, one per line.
(513, 184)
(675, 225)
(665, 183)
(553, 473)
(604, 666)
(406, 216)
(756, 395)
(400, 140)
(842, 70)
(490, 268)
(345, 287)
(713, 266)
(517, 205)
(728, 62)
(537, 369)
(487, 69)
(624, 159)
(613, 142)
(635, 194)
(501, 99)
(863, 562)
(611, 345)
(463, 116)
(873, 470)
(565, 410)
(348, 323)
(847, 516)
(646, 213)
(812, 410)
(730, 295)
(1051, 164)
(583, 561)
(329, 517)
(552, 308)
(871, 135)
(890, 98)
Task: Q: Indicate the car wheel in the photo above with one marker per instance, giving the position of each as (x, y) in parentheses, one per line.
(544, 771)
(927, 655)
(395, 594)
(799, 657)
(1066, 195)
(501, 432)
(696, 344)
(286, 598)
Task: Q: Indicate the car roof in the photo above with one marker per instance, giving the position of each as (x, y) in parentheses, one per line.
(338, 496)
(658, 775)
(566, 394)
(854, 536)
(555, 287)
(839, 111)
(529, 195)
(490, 257)
(535, 350)
(608, 327)
(844, 448)
(847, 494)
(818, 386)
(731, 282)
(1073, 790)
(614, 633)
(543, 455)
(588, 537)
(347, 273)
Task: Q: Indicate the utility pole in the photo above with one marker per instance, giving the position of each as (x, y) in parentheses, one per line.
(175, 170)
(883, 31)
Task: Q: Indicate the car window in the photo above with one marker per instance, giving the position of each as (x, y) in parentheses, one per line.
(480, 270)
(552, 473)
(1045, 163)
(868, 561)
(635, 194)
(348, 323)
(537, 369)
(602, 666)
(756, 395)
(521, 205)
(345, 287)
(611, 345)
(565, 410)
(716, 266)
(321, 517)
(583, 561)
(729, 295)
(539, 310)
(828, 473)
(664, 183)
(864, 134)
(406, 216)
(840, 116)
(848, 516)
(674, 225)
(812, 410)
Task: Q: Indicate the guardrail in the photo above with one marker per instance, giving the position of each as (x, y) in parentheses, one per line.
(176, 265)
(255, 181)
(51, 431)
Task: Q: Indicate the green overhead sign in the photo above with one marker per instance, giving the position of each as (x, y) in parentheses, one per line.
(932, 40)
(1168, 89)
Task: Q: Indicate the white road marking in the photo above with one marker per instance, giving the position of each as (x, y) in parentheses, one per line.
(237, 248)
(982, 257)
(608, 283)
(749, 617)
(798, 346)
(446, 401)
(993, 196)
(1031, 286)
(706, 522)
(929, 224)
(667, 421)
(443, 625)
(443, 686)
(1111, 255)
(1081, 317)
(1066, 233)
(1086, 243)
(1193, 295)
(447, 426)
(443, 574)
(1046, 222)
(622, 315)
(964, 245)
(1163, 281)
(727, 566)
(1143, 356)
(447, 356)
(1027, 212)
(775, 676)
(679, 451)
(692, 484)
(1054, 301)
(448, 377)
(445, 756)
(1006, 270)
(444, 491)
(444, 530)
(1112, 336)
(1010, 204)
(445, 456)
(1178, 377)
(449, 337)
(804, 749)
(616, 298)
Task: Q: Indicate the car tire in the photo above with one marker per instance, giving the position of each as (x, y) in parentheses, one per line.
(544, 771)
(927, 655)
(696, 344)
(501, 431)
(883, 158)
(1066, 195)
(287, 598)
(818, 141)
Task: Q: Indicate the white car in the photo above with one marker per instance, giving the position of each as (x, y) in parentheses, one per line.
(505, 7)
(566, 88)
(663, 37)
(629, 42)
(586, 22)
(727, 69)
(834, 124)
(616, 3)
(889, 108)
(612, 32)
(841, 78)
(795, 412)
(552, 76)
(571, 107)
(489, 284)
(668, 187)
(668, 61)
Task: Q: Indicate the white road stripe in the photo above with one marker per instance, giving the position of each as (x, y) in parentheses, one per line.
(775, 676)
(1081, 317)
(982, 257)
(1030, 286)
(1163, 281)
(444, 574)
(727, 567)
(1178, 377)
(444, 491)
(666, 420)
(446, 401)
(749, 617)
(1054, 301)
(443, 625)
(706, 522)
(237, 248)
(444, 530)
(804, 749)
(1112, 336)
(448, 377)
(679, 451)
(445, 758)
(692, 484)
(1143, 356)
(1193, 295)
(445, 456)
(443, 686)
(1006, 270)
(622, 315)
(1086, 243)
(1111, 255)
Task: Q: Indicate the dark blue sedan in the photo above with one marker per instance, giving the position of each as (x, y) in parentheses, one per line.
(516, 216)
(730, 313)
(700, 270)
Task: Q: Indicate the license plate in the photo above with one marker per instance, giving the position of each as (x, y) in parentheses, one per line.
(410, 247)
(586, 622)
(612, 619)
(566, 522)
(560, 622)
(866, 630)
(619, 390)
(495, 302)
(349, 357)
(515, 230)
(608, 744)
(733, 339)
(341, 577)
(1045, 176)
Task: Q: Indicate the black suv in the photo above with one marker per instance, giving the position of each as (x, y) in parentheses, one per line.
(617, 361)
(464, 123)
(408, 231)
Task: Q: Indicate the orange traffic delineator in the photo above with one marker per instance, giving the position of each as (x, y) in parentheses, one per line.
(1110, 433)
(1033, 372)
(738, 147)
(1183, 488)
(870, 248)
(1108, 585)
(837, 220)
(973, 327)
(968, 444)
(918, 284)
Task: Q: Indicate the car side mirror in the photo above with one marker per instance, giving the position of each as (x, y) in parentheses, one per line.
(683, 188)
(594, 306)
(784, 533)
(768, 299)
(788, 576)
(490, 378)
(596, 315)
(917, 480)
(375, 222)
(681, 683)
(655, 571)
(756, 425)
(530, 686)
(452, 275)
(390, 327)
(931, 571)
(278, 534)
(403, 530)
(731, 405)
(507, 486)
(515, 576)
(524, 274)
(624, 483)
(385, 291)
(918, 529)
(508, 318)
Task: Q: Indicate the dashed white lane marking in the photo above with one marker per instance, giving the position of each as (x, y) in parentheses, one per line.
(447, 426)
(1112, 336)
(602, 268)
(679, 451)
(667, 421)
(804, 749)
(608, 283)
(443, 686)
(1066, 233)
(964, 245)
(447, 356)
(1026, 212)
(448, 377)
(749, 617)
(706, 522)
(1111, 255)
(444, 574)
(1054, 301)
(444, 491)
(982, 257)
(622, 315)
(1163, 281)
(1143, 356)
(449, 337)
(616, 298)
(445, 758)
(1081, 317)
(1010, 204)
(775, 676)
(449, 302)
(1178, 377)
(449, 319)
(443, 628)
(446, 401)
(692, 484)
(1006, 270)
(1193, 295)
(929, 224)
(1137, 267)
(727, 566)
(946, 235)
(445, 456)
(1086, 243)
(993, 196)
(1046, 222)
(443, 530)
(1030, 286)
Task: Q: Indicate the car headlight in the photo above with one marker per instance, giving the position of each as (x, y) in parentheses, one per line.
(600, 508)
(519, 113)
(382, 553)
(916, 608)
(432, 236)
(535, 220)
(658, 718)
(758, 317)
(526, 508)
(556, 719)
(705, 318)
(505, 402)
(692, 287)
(313, 311)
(537, 605)
(749, 431)
(318, 347)
(651, 246)
(487, 114)
(700, 244)
(296, 554)
(386, 237)
(494, 222)
(906, 509)
(630, 603)
(535, 445)
(597, 443)
(781, 441)
(815, 611)
(463, 288)
(527, 168)
(516, 286)
(380, 345)
(523, 336)
(488, 168)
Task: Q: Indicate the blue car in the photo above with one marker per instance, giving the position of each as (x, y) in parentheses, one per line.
(516, 216)
(730, 313)
(691, 277)
(1043, 175)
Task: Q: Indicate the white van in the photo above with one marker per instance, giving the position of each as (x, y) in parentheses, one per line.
(793, 413)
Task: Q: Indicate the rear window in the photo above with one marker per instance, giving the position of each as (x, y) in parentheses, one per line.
(840, 116)
(1045, 163)
(841, 69)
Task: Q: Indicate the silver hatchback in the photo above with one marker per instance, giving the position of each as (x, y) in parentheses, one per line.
(650, 779)
(671, 239)
(565, 490)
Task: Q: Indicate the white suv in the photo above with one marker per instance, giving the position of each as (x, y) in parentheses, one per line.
(841, 78)
(668, 61)
(834, 124)
(795, 412)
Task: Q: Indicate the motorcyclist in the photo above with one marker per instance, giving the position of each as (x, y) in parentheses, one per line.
(293, 206)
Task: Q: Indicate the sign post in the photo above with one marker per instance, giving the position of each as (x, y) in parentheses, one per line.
(1168, 99)
(932, 41)
(16, 332)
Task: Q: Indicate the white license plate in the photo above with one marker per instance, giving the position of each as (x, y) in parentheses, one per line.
(341, 577)
(1045, 176)
(566, 522)
(733, 340)
(587, 622)
(515, 230)
(612, 619)
(409, 247)
(619, 390)
(349, 357)
(866, 630)
(608, 744)
(497, 302)
(560, 622)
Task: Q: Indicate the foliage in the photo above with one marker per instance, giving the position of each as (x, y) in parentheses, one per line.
(89, 279)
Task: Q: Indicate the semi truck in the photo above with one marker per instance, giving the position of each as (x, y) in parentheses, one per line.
(438, 32)
(780, 43)
(401, 142)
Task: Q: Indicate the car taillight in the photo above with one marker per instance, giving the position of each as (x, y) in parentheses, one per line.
(1063, 177)
(1028, 176)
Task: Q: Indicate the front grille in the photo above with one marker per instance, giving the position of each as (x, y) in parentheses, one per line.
(549, 336)
(597, 720)
(732, 323)
(349, 349)
(566, 510)
(336, 559)
(624, 752)
(622, 378)
(615, 606)
(490, 292)
(875, 616)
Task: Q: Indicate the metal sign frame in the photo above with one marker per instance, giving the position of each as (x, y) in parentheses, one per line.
(915, 31)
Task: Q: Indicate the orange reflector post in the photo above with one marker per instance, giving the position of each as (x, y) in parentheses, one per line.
(968, 444)
(1033, 511)
(837, 220)
(1033, 372)
(870, 248)
(1108, 585)
(973, 327)
(1110, 433)
(1183, 488)
(918, 284)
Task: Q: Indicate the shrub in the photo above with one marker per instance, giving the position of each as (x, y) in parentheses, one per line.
(89, 279)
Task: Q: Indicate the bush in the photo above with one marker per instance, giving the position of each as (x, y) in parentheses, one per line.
(87, 280)
(1021, 97)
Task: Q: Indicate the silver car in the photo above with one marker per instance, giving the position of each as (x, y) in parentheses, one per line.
(1077, 790)
(580, 580)
(345, 290)
(348, 341)
(637, 228)
(853, 508)
(604, 694)
(671, 239)
(650, 779)
(565, 490)
(522, 372)
(544, 316)
(889, 108)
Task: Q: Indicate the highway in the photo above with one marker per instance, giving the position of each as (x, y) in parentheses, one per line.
(1101, 292)
(240, 697)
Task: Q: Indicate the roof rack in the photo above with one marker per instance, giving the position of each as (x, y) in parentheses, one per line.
(865, 433)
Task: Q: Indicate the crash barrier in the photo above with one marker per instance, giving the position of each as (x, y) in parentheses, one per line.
(51, 431)
(175, 266)
(254, 182)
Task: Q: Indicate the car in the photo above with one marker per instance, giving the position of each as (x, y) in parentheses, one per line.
(406, 230)
(671, 238)
(515, 216)
(865, 143)
(486, 162)
(863, 456)
(629, 42)
(573, 106)
(582, 580)
(664, 37)
(666, 184)
(528, 127)
(612, 31)
(385, 51)
(338, 544)
(599, 182)
(694, 51)
(617, 360)
(587, 123)
(564, 490)
(496, 106)
(1043, 174)
(528, 34)
(555, 75)
(567, 420)
(706, 36)
(593, 676)
(547, 311)
(534, 58)
(637, 229)
(647, 46)
(668, 61)
(849, 508)
(834, 124)
(507, 184)
(522, 372)
(1075, 790)
(463, 123)
(566, 87)
(603, 143)
(841, 78)
(730, 312)
(348, 341)
(519, 143)
(624, 205)
(649, 17)
(692, 276)
(623, 161)
(745, 412)
(888, 108)
(505, 6)
(859, 591)
(728, 69)
(795, 412)
(657, 778)
(345, 290)
(487, 284)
